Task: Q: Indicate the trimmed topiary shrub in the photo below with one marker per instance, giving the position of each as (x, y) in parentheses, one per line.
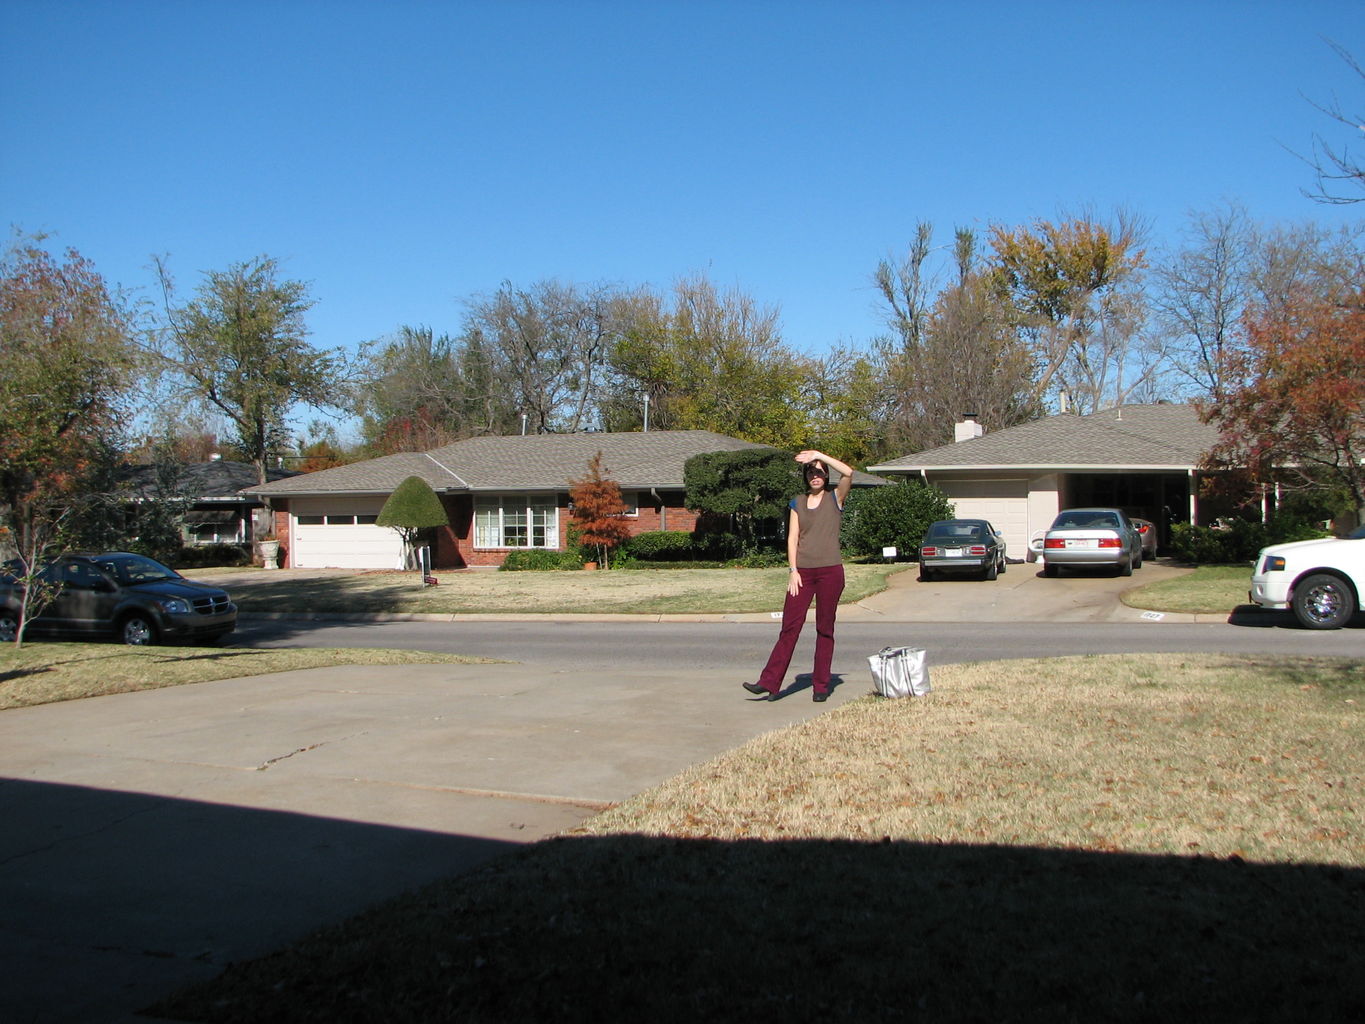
(412, 508)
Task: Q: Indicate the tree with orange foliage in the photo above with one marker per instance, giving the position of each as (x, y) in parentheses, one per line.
(597, 509)
(67, 356)
(1298, 413)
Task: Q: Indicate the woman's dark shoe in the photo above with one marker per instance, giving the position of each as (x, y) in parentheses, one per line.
(818, 697)
(755, 689)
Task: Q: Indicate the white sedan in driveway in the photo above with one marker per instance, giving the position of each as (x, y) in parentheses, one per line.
(1321, 580)
(1087, 537)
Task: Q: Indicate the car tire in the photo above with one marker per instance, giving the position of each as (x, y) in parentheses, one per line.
(1049, 570)
(990, 572)
(1126, 569)
(1140, 559)
(926, 576)
(1323, 601)
(9, 627)
(137, 630)
(1003, 566)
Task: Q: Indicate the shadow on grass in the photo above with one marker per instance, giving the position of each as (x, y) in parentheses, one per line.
(330, 595)
(114, 900)
(638, 928)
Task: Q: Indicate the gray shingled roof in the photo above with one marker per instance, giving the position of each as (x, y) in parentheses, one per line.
(1151, 437)
(531, 462)
(201, 481)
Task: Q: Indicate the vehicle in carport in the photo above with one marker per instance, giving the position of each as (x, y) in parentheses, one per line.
(1147, 531)
(1321, 581)
(961, 547)
(1090, 537)
(119, 595)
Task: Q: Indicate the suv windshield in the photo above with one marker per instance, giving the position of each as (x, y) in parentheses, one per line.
(132, 569)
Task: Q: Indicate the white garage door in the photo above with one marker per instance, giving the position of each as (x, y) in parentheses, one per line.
(337, 533)
(1003, 502)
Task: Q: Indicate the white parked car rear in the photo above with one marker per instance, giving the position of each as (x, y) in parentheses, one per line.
(1321, 580)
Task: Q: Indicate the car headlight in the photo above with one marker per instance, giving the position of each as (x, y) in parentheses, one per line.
(173, 606)
(1273, 563)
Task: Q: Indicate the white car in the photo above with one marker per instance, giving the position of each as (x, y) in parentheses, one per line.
(1321, 580)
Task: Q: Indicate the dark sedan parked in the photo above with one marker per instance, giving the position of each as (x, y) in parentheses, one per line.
(117, 594)
(955, 547)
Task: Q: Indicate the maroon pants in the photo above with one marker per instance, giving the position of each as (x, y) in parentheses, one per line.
(824, 585)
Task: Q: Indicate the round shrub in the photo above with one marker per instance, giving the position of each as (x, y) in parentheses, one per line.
(893, 516)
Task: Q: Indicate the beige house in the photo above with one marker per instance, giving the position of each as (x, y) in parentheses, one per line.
(1143, 459)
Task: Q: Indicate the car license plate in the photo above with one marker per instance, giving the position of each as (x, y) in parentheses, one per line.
(1084, 542)
(953, 552)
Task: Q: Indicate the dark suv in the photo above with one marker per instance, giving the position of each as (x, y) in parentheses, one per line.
(122, 595)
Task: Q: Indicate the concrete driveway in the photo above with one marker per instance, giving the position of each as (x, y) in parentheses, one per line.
(1021, 594)
(152, 838)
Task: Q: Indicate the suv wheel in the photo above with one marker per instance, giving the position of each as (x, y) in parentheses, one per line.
(1323, 601)
(137, 630)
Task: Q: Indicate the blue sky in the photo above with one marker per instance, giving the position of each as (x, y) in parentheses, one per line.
(402, 156)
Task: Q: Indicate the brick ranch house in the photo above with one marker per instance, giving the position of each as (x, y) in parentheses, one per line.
(500, 494)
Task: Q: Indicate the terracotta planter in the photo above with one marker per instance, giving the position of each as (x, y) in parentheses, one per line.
(589, 566)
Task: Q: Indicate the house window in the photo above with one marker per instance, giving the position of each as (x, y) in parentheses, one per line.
(631, 499)
(516, 521)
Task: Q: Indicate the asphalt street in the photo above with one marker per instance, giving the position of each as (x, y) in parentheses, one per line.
(739, 648)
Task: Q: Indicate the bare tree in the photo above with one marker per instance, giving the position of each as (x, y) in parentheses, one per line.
(422, 391)
(1200, 294)
(1340, 174)
(550, 342)
(955, 350)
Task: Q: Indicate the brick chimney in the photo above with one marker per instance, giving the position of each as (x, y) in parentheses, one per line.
(967, 428)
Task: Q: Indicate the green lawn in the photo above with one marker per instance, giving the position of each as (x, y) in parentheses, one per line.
(1209, 589)
(624, 591)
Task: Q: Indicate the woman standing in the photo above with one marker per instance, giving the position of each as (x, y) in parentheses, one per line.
(817, 571)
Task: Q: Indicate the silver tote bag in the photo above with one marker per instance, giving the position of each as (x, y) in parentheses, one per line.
(900, 672)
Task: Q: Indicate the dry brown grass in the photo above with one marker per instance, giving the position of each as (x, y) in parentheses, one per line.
(618, 591)
(1258, 758)
(1116, 839)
